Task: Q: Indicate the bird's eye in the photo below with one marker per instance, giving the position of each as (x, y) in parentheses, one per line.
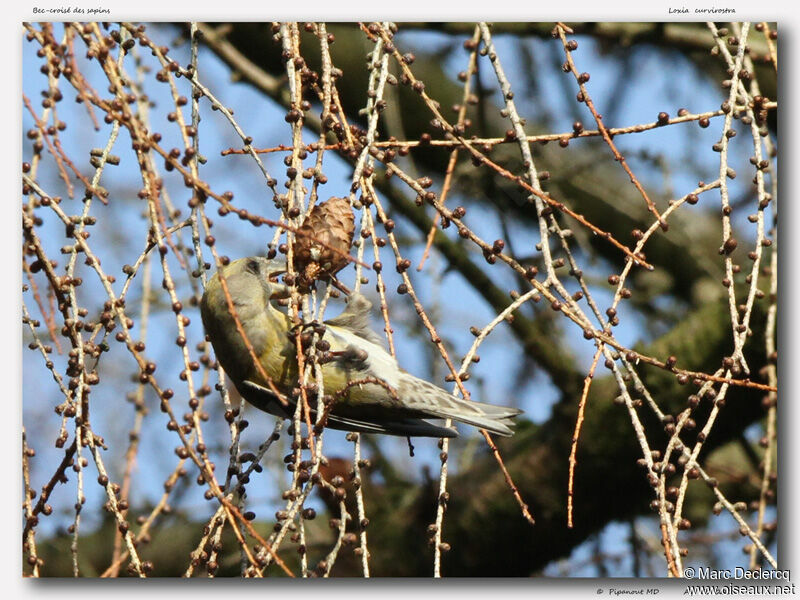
(252, 266)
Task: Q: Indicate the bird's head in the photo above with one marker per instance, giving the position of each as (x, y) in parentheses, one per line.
(255, 277)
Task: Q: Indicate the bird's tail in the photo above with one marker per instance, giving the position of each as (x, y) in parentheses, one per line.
(494, 419)
(437, 403)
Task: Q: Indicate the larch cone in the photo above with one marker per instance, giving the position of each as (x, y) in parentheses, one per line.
(322, 246)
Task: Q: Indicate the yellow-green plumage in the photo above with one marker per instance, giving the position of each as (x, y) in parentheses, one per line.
(356, 353)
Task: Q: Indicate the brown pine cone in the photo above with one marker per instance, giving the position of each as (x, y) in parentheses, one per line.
(323, 241)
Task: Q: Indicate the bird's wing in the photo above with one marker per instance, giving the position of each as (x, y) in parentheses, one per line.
(355, 318)
(264, 399)
(402, 427)
(376, 361)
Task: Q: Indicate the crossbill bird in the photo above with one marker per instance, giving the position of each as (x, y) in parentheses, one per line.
(370, 392)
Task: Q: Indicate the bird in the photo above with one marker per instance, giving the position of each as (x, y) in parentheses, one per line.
(371, 392)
